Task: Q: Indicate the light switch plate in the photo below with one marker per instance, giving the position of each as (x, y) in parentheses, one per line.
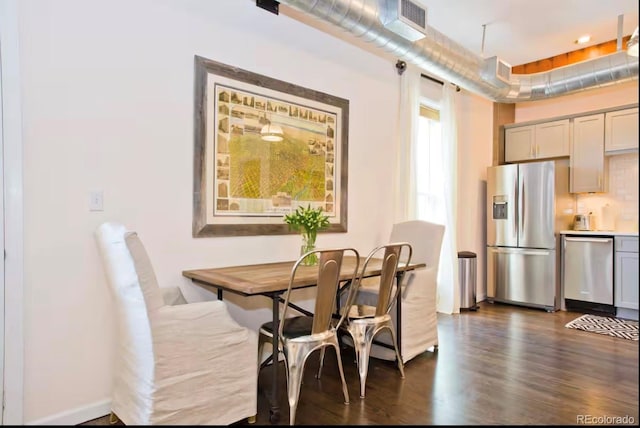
(96, 200)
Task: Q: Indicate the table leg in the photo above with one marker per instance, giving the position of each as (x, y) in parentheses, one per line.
(399, 277)
(274, 411)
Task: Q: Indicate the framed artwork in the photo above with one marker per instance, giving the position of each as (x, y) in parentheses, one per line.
(263, 147)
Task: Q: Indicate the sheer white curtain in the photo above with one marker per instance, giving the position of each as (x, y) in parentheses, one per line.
(405, 176)
(443, 209)
(448, 293)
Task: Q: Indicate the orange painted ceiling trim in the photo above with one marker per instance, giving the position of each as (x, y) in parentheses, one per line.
(570, 57)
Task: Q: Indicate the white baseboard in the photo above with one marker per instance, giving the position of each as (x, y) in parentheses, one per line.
(77, 415)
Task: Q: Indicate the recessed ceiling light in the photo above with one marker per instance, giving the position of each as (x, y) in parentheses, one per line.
(583, 39)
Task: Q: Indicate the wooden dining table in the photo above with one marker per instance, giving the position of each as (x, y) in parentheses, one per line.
(272, 280)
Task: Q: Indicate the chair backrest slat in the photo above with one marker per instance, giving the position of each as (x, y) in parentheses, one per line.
(395, 254)
(328, 281)
(387, 277)
(330, 272)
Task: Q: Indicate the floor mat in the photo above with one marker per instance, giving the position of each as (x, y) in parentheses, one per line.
(616, 327)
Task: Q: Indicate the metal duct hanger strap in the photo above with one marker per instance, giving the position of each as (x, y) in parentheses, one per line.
(632, 44)
(441, 56)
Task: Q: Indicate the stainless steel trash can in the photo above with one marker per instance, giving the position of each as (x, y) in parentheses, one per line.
(467, 262)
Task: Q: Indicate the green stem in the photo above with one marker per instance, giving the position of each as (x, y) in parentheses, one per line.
(311, 237)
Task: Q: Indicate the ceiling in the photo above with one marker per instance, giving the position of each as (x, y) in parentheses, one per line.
(523, 31)
(518, 32)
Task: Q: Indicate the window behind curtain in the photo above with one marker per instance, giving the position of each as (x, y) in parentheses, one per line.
(429, 163)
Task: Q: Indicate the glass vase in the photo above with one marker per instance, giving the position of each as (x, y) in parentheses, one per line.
(308, 244)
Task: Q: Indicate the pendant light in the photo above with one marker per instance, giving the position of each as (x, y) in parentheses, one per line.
(271, 132)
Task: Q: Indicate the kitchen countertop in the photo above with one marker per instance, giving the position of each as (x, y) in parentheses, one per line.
(598, 232)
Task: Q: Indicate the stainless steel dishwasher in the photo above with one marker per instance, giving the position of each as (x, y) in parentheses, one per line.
(587, 272)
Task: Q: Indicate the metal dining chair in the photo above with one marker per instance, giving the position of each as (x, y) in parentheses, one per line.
(299, 336)
(362, 321)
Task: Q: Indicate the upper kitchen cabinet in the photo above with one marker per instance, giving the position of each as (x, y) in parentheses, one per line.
(621, 131)
(539, 141)
(587, 172)
(519, 143)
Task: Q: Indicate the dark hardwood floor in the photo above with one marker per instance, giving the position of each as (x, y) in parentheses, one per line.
(501, 365)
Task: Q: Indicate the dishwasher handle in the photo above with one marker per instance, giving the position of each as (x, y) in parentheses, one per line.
(601, 240)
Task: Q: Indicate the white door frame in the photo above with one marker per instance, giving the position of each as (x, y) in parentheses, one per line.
(11, 285)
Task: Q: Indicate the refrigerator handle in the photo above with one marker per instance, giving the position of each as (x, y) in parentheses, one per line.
(527, 252)
(516, 213)
(522, 207)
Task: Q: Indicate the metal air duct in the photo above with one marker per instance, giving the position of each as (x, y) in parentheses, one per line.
(441, 56)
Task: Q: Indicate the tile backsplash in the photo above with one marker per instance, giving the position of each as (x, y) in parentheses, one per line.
(622, 196)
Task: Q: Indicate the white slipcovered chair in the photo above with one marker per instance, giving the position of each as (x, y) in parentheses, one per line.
(419, 322)
(177, 363)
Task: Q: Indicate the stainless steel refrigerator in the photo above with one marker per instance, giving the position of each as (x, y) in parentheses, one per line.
(523, 222)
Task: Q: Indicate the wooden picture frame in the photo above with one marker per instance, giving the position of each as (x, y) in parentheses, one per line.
(244, 185)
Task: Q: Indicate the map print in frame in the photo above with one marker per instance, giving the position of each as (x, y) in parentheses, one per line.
(243, 184)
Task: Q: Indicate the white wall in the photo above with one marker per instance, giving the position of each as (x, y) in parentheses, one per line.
(108, 105)
(12, 172)
(585, 101)
(475, 140)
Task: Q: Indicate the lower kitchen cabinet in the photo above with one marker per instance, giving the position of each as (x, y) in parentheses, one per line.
(626, 273)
